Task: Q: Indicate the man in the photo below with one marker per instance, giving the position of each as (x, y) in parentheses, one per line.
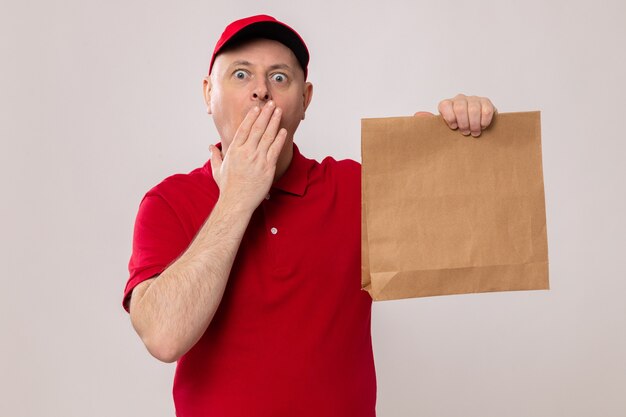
(247, 271)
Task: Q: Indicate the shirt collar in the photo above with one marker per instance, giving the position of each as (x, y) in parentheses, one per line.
(296, 177)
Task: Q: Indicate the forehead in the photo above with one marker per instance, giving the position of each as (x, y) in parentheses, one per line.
(262, 52)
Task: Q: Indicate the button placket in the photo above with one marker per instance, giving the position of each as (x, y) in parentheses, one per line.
(274, 234)
(273, 229)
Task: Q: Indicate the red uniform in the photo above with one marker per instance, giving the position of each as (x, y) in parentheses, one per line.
(291, 336)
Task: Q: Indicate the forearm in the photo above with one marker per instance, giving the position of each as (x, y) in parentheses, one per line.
(173, 311)
(177, 307)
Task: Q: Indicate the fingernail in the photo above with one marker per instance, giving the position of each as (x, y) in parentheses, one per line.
(476, 134)
(270, 103)
(454, 126)
(466, 133)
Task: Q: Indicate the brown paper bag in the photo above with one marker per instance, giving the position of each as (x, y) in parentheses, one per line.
(447, 214)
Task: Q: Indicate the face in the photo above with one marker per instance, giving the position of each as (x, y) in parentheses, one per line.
(250, 75)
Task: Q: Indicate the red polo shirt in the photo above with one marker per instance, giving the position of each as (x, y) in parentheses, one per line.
(291, 336)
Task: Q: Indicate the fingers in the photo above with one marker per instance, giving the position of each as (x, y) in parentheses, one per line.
(216, 160)
(471, 115)
(244, 128)
(271, 131)
(257, 134)
(276, 147)
(474, 114)
(460, 113)
(488, 110)
(256, 131)
(446, 110)
(260, 125)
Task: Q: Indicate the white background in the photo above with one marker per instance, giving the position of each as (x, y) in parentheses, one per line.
(101, 100)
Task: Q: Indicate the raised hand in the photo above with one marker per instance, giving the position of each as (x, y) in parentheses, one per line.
(244, 174)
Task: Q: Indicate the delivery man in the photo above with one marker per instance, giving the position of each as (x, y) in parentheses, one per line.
(247, 270)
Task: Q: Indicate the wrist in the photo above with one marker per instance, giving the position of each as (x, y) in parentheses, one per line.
(233, 204)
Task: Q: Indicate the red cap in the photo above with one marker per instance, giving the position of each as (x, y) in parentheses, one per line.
(267, 27)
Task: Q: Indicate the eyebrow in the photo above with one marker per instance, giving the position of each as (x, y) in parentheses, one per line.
(240, 63)
(249, 64)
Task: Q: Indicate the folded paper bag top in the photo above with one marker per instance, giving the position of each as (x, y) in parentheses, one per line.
(447, 214)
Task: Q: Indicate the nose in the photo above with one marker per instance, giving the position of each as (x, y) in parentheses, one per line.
(261, 91)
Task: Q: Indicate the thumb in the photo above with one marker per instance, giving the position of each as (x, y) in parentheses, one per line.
(423, 113)
(216, 160)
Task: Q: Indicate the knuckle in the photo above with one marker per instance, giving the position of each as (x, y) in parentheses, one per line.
(473, 106)
(244, 154)
(256, 131)
(459, 104)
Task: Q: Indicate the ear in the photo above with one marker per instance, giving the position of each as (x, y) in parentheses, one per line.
(307, 95)
(206, 92)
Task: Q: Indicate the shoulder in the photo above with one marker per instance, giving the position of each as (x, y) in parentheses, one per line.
(180, 187)
(186, 198)
(339, 181)
(345, 171)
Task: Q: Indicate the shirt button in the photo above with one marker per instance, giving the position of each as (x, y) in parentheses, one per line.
(274, 230)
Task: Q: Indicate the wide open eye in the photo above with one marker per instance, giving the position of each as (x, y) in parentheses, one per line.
(240, 74)
(278, 77)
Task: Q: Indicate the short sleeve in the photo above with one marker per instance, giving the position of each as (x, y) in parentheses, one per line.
(158, 240)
